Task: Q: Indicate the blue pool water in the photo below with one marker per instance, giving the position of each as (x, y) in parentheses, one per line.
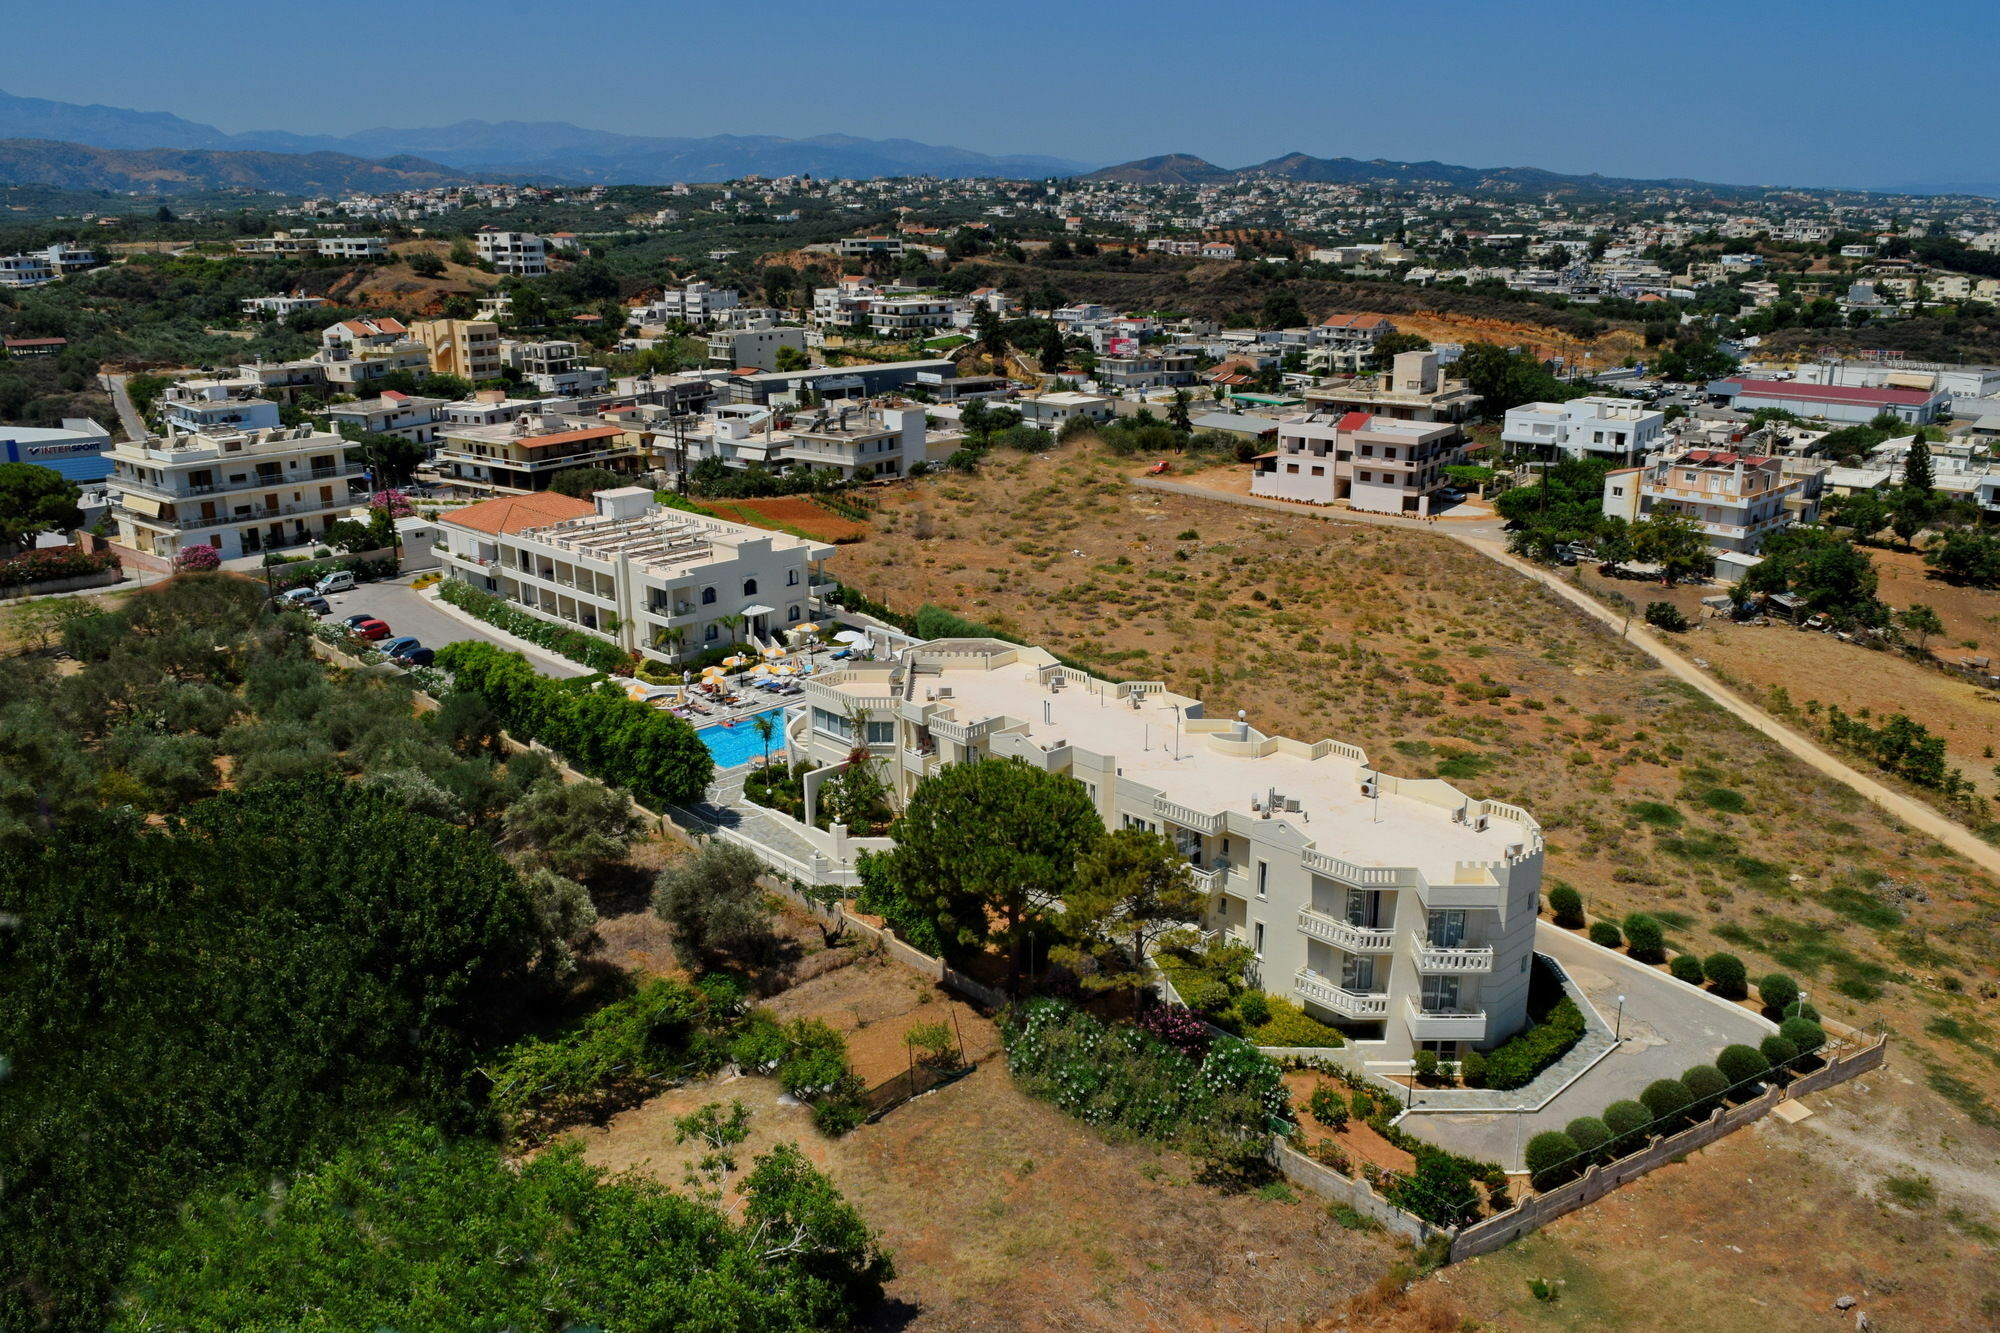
(739, 744)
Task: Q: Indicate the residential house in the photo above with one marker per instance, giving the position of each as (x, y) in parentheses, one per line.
(1737, 499)
(1623, 429)
(1051, 410)
(1412, 389)
(520, 254)
(555, 367)
(467, 348)
(694, 303)
(523, 453)
(353, 247)
(1344, 344)
(279, 307)
(753, 348)
(1377, 464)
(406, 416)
(198, 407)
(240, 492)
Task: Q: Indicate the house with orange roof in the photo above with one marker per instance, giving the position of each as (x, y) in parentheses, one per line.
(524, 453)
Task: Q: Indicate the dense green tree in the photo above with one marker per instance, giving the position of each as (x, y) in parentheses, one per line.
(1281, 310)
(576, 829)
(1392, 345)
(584, 482)
(34, 500)
(1565, 505)
(412, 1230)
(1505, 379)
(993, 846)
(1131, 888)
(1917, 475)
(1921, 621)
(1966, 555)
(1674, 543)
(715, 905)
(1830, 574)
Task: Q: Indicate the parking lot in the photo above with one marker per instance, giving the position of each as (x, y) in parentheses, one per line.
(408, 611)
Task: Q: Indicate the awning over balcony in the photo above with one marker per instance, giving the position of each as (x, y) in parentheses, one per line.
(144, 504)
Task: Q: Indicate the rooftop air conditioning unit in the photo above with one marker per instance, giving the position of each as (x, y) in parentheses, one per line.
(944, 692)
(1368, 789)
(1458, 815)
(1480, 822)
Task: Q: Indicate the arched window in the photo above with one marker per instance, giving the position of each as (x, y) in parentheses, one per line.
(711, 634)
(749, 587)
(708, 597)
(793, 614)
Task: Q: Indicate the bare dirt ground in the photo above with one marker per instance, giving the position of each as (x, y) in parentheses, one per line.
(791, 513)
(1440, 662)
(1005, 1214)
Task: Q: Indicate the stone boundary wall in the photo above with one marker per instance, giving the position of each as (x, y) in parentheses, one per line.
(1353, 1191)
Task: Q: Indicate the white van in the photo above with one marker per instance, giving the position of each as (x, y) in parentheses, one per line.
(341, 580)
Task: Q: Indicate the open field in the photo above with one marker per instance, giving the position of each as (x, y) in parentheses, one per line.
(1005, 1214)
(801, 515)
(1820, 667)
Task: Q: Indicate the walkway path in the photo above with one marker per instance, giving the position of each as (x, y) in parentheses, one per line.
(128, 417)
(1488, 538)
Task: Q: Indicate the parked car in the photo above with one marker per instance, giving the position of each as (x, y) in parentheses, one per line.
(352, 621)
(417, 656)
(370, 629)
(341, 580)
(393, 648)
(318, 606)
(298, 594)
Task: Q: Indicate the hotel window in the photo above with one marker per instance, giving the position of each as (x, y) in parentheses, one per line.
(749, 587)
(792, 614)
(1440, 994)
(708, 599)
(1263, 879)
(881, 733)
(1257, 939)
(711, 634)
(830, 723)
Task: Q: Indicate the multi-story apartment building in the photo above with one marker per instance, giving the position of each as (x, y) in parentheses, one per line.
(1400, 910)
(905, 316)
(1737, 499)
(523, 453)
(556, 367)
(1617, 428)
(43, 266)
(405, 415)
(467, 348)
(1143, 370)
(753, 348)
(694, 303)
(1413, 389)
(1373, 463)
(1342, 344)
(863, 247)
(279, 307)
(353, 247)
(653, 580)
(859, 440)
(197, 407)
(520, 254)
(239, 491)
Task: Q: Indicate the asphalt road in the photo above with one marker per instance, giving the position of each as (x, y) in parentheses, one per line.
(128, 416)
(408, 611)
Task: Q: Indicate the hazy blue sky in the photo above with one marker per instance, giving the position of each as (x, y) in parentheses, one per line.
(1834, 92)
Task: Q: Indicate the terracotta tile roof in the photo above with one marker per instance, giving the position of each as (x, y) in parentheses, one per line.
(1356, 421)
(570, 437)
(516, 513)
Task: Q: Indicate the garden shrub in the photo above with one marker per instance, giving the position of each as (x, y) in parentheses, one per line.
(44, 563)
(1551, 1158)
(1605, 934)
(1361, 1104)
(1666, 616)
(1778, 992)
(1179, 1027)
(881, 892)
(1727, 976)
(1425, 1065)
(1644, 939)
(1627, 1121)
(649, 751)
(1707, 1084)
(1516, 1061)
(1567, 905)
(1805, 1035)
(1328, 1106)
(1126, 1081)
(1590, 1135)
(1473, 1069)
(1289, 1025)
(1686, 967)
(1802, 1009)
(1440, 1190)
(1253, 1009)
(577, 645)
(1669, 1100)
(1741, 1065)
(1780, 1052)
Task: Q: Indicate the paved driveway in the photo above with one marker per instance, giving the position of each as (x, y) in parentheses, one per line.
(1668, 1026)
(410, 612)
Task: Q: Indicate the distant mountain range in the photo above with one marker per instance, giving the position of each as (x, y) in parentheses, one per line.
(1186, 169)
(550, 151)
(74, 166)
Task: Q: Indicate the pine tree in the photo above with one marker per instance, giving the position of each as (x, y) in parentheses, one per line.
(1917, 466)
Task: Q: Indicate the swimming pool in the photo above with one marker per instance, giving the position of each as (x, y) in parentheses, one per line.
(740, 744)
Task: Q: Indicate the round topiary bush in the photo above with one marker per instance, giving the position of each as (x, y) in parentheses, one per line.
(1805, 1035)
(1567, 904)
(1778, 1051)
(1644, 939)
(1627, 1121)
(1686, 967)
(1606, 934)
(1669, 1100)
(1742, 1065)
(1802, 1009)
(1551, 1158)
(1727, 976)
(1591, 1137)
(1707, 1084)
(1778, 991)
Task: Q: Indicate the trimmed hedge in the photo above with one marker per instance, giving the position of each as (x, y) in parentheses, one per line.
(1708, 1084)
(1551, 1158)
(1670, 1101)
(575, 644)
(1628, 1122)
(1727, 976)
(1778, 992)
(1644, 939)
(1778, 1051)
(1515, 1062)
(648, 751)
(1605, 934)
(1804, 1034)
(1590, 1135)
(1686, 967)
(1567, 904)
(1742, 1064)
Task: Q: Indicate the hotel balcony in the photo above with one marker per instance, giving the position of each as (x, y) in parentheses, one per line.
(1341, 935)
(1310, 985)
(1455, 960)
(1445, 1024)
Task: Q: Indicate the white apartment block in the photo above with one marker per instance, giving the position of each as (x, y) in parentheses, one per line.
(1737, 499)
(521, 254)
(239, 491)
(555, 367)
(904, 316)
(407, 416)
(859, 441)
(43, 266)
(1051, 410)
(695, 303)
(198, 407)
(1343, 344)
(1594, 427)
(1412, 389)
(1399, 910)
(1376, 464)
(353, 247)
(653, 580)
(279, 307)
(753, 348)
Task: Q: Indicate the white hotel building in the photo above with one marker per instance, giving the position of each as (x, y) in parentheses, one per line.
(240, 491)
(1399, 910)
(651, 579)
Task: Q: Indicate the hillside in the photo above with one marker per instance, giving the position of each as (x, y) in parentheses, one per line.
(1184, 169)
(75, 166)
(1170, 169)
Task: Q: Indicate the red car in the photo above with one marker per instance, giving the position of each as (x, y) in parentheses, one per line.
(370, 630)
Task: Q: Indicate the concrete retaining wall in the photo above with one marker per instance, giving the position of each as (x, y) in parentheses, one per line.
(1540, 1209)
(1356, 1193)
(22, 592)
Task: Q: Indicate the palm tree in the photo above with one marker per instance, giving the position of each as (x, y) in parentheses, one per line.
(670, 639)
(732, 622)
(766, 726)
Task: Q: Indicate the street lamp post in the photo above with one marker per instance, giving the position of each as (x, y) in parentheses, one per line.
(1619, 1035)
